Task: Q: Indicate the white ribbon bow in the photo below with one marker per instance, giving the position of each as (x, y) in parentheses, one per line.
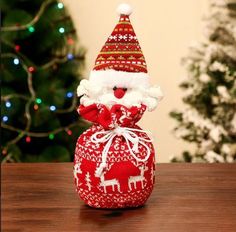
(130, 137)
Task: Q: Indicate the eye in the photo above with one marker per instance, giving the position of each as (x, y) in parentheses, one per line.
(115, 88)
(125, 89)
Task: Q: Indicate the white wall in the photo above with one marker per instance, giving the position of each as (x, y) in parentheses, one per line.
(164, 29)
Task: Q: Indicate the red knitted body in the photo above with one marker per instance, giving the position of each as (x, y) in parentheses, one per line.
(125, 182)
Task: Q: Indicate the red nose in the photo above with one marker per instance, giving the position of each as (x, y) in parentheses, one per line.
(119, 92)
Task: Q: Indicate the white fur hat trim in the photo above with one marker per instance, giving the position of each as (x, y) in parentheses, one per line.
(111, 78)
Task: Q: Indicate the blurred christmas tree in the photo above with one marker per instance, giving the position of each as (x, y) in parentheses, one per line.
(41, 68)
(209, 121)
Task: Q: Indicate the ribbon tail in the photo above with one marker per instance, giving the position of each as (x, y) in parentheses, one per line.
(135, 147)
(103, 164)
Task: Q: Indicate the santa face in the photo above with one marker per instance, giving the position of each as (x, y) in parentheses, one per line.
(125, 95)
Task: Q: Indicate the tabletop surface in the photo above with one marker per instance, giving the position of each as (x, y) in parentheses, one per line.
(186, 197)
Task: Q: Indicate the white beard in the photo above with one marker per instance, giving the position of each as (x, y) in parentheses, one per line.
(92, 93)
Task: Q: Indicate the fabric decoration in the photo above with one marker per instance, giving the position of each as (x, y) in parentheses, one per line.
(114, 164)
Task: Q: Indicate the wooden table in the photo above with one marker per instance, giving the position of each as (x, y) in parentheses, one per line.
(187, 197)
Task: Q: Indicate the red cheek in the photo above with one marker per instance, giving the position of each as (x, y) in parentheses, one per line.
(119, 93)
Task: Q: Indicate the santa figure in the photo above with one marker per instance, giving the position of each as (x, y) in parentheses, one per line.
(115, 156)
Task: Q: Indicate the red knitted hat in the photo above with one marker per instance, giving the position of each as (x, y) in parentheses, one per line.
(121, 62)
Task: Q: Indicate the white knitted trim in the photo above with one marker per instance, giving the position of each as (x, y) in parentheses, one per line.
(111, 78)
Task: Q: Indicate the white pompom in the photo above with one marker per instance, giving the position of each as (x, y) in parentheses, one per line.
(124, 9)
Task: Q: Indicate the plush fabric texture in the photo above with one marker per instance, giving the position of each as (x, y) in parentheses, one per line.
(111, 78)
(125, 9)
(124, 182)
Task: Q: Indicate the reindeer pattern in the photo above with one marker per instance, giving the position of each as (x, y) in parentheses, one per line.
(111, 183)
(139, 178)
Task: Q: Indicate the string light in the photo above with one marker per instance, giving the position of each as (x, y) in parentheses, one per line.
(16, 61)
(8, 104)
(36, 107)
(5, 118)
(60, 5)
(51, 136)
(40, 134)
(31, 69)
(4, 151)
(69, 94)
(31, 29)
(19, 27)
(70, 56)
(70, 41)
(38, 100)
(17, 48)
(61, 29)
(28, 139)
(69, 132)
(52, 108)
